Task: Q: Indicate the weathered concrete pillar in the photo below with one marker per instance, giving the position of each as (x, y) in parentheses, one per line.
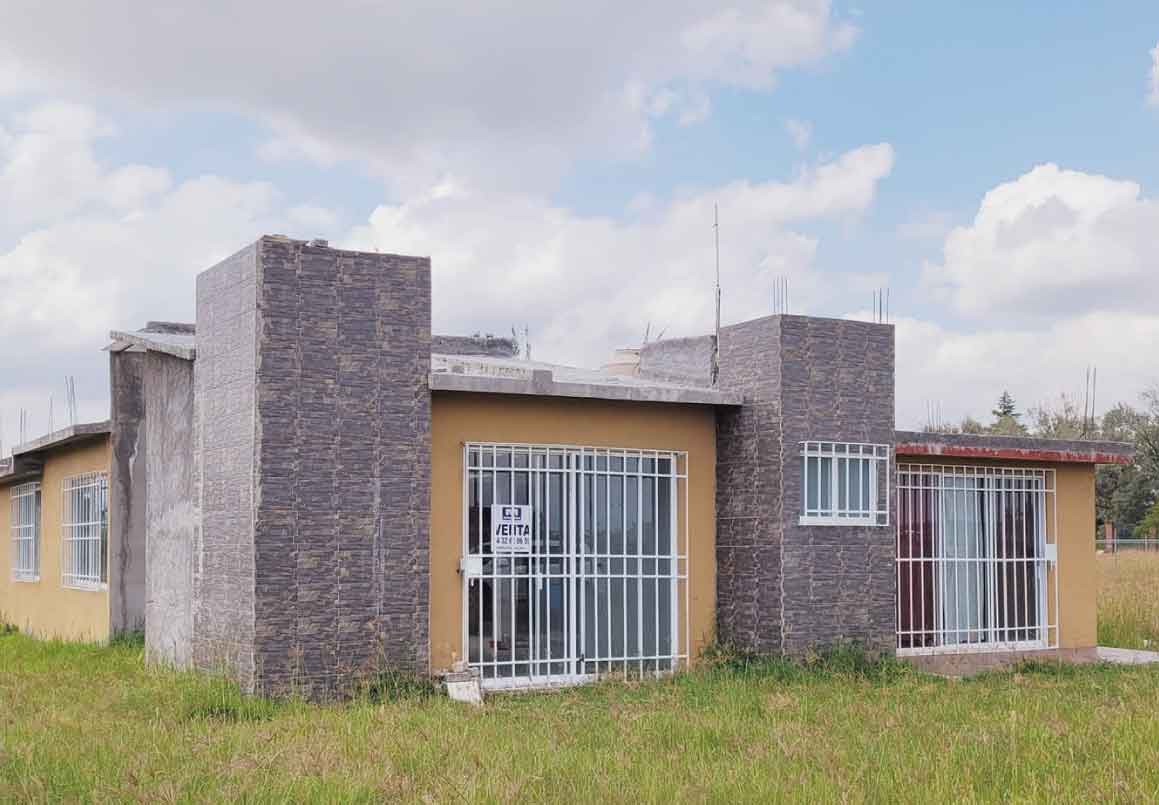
(314, 441)
(127, 492)
(170, 509)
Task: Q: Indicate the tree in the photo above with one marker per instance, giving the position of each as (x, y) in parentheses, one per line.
(1006, 407)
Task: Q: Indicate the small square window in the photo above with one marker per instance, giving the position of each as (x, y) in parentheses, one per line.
(844, 484)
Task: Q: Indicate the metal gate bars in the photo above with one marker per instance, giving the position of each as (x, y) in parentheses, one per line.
(575, 562)
(977, 559)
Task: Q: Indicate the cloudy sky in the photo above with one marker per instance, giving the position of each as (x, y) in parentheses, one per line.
(997, 169)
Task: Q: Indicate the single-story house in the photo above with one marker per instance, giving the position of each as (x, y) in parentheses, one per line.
(305, 486)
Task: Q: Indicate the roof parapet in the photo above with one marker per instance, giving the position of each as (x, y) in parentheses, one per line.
(1013, 448)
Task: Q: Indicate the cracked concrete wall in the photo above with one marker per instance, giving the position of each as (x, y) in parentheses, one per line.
(173, 521)
(679, 360)
(127, 484)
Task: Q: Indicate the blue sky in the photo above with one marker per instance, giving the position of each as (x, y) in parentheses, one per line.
(560, 170)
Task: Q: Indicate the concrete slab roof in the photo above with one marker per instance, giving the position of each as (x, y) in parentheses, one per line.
(1017, 448)
(495, 375)
(63, 437)
(178, 344)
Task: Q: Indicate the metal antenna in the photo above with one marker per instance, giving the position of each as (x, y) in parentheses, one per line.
(51, 422)
(1094, 388)
(716, 240)
(887, 305)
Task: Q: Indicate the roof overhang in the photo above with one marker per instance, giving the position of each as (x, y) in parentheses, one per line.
(179, 345)
(84, 431)
(1012, 448)
(479, 375)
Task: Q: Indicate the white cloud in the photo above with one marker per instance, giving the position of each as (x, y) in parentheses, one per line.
(1052, 243)
(588, 284)
(1056, 272)
(439, 88)
(1153, 78)
(800, 132)
(966, 371)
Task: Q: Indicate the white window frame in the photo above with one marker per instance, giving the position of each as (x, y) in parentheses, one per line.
(26, 501)
(84, 530)
(839, 453)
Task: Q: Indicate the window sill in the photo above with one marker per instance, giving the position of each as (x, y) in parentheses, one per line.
(94, 587)
(831, 521)
(25, 578)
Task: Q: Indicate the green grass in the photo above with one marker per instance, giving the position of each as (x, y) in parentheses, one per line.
(94, 724)
(1128, 603)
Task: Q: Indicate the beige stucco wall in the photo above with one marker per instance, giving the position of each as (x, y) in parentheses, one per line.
(460, 418)
(1077, 572)
(44, 608)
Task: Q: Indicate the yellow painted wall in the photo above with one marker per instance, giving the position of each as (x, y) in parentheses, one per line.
(1075, 501)
(44, 608)
(460, 418)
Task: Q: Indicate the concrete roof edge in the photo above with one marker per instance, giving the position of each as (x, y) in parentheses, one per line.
(63, 436)
(151, 341)
(1021, 448)
(540, 384)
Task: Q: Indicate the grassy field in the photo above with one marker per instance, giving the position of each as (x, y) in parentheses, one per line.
(90, 723)
(1129, 600)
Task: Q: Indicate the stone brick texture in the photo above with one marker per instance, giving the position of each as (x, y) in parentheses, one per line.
(838, 582)
(224, 451)
(783, 587)
(342, 476)
(485, 345)
(748, 489)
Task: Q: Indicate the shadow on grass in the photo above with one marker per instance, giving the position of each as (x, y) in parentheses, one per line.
(845, 661)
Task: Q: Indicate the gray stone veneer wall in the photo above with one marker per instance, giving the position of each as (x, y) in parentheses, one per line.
(783, 587)
(170, 508)
(342, 497)
(127, 492)
(224, 449)
(748, 489)
(838, 582)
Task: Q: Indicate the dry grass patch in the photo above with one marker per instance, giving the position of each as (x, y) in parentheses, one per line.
(1129, 600)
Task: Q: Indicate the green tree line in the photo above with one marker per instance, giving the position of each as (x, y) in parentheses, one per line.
(1126, 495)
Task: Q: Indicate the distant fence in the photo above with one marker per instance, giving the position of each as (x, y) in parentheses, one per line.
(1112, 543)
(1123, 545)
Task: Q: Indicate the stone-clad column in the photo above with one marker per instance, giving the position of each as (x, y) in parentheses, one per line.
(783, 587)
(336, 519)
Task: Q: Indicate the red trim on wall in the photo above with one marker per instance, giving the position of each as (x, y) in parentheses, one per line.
(1010, 453)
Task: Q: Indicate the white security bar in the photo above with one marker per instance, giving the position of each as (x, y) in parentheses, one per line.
(976, 559)
(844, 483)
(84, 530)
(26, 532)
(601, 587)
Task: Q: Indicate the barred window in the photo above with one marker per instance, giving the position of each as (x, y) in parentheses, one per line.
(85, 530)
(844, 483)
(26, 532)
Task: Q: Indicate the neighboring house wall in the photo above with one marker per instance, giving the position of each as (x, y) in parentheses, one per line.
(459, 418)
(171, 511)
(127, 491)
(45, 608)
(314, 441)
(784, 587)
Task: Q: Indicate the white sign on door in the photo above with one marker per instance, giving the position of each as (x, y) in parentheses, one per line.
(510, 528)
